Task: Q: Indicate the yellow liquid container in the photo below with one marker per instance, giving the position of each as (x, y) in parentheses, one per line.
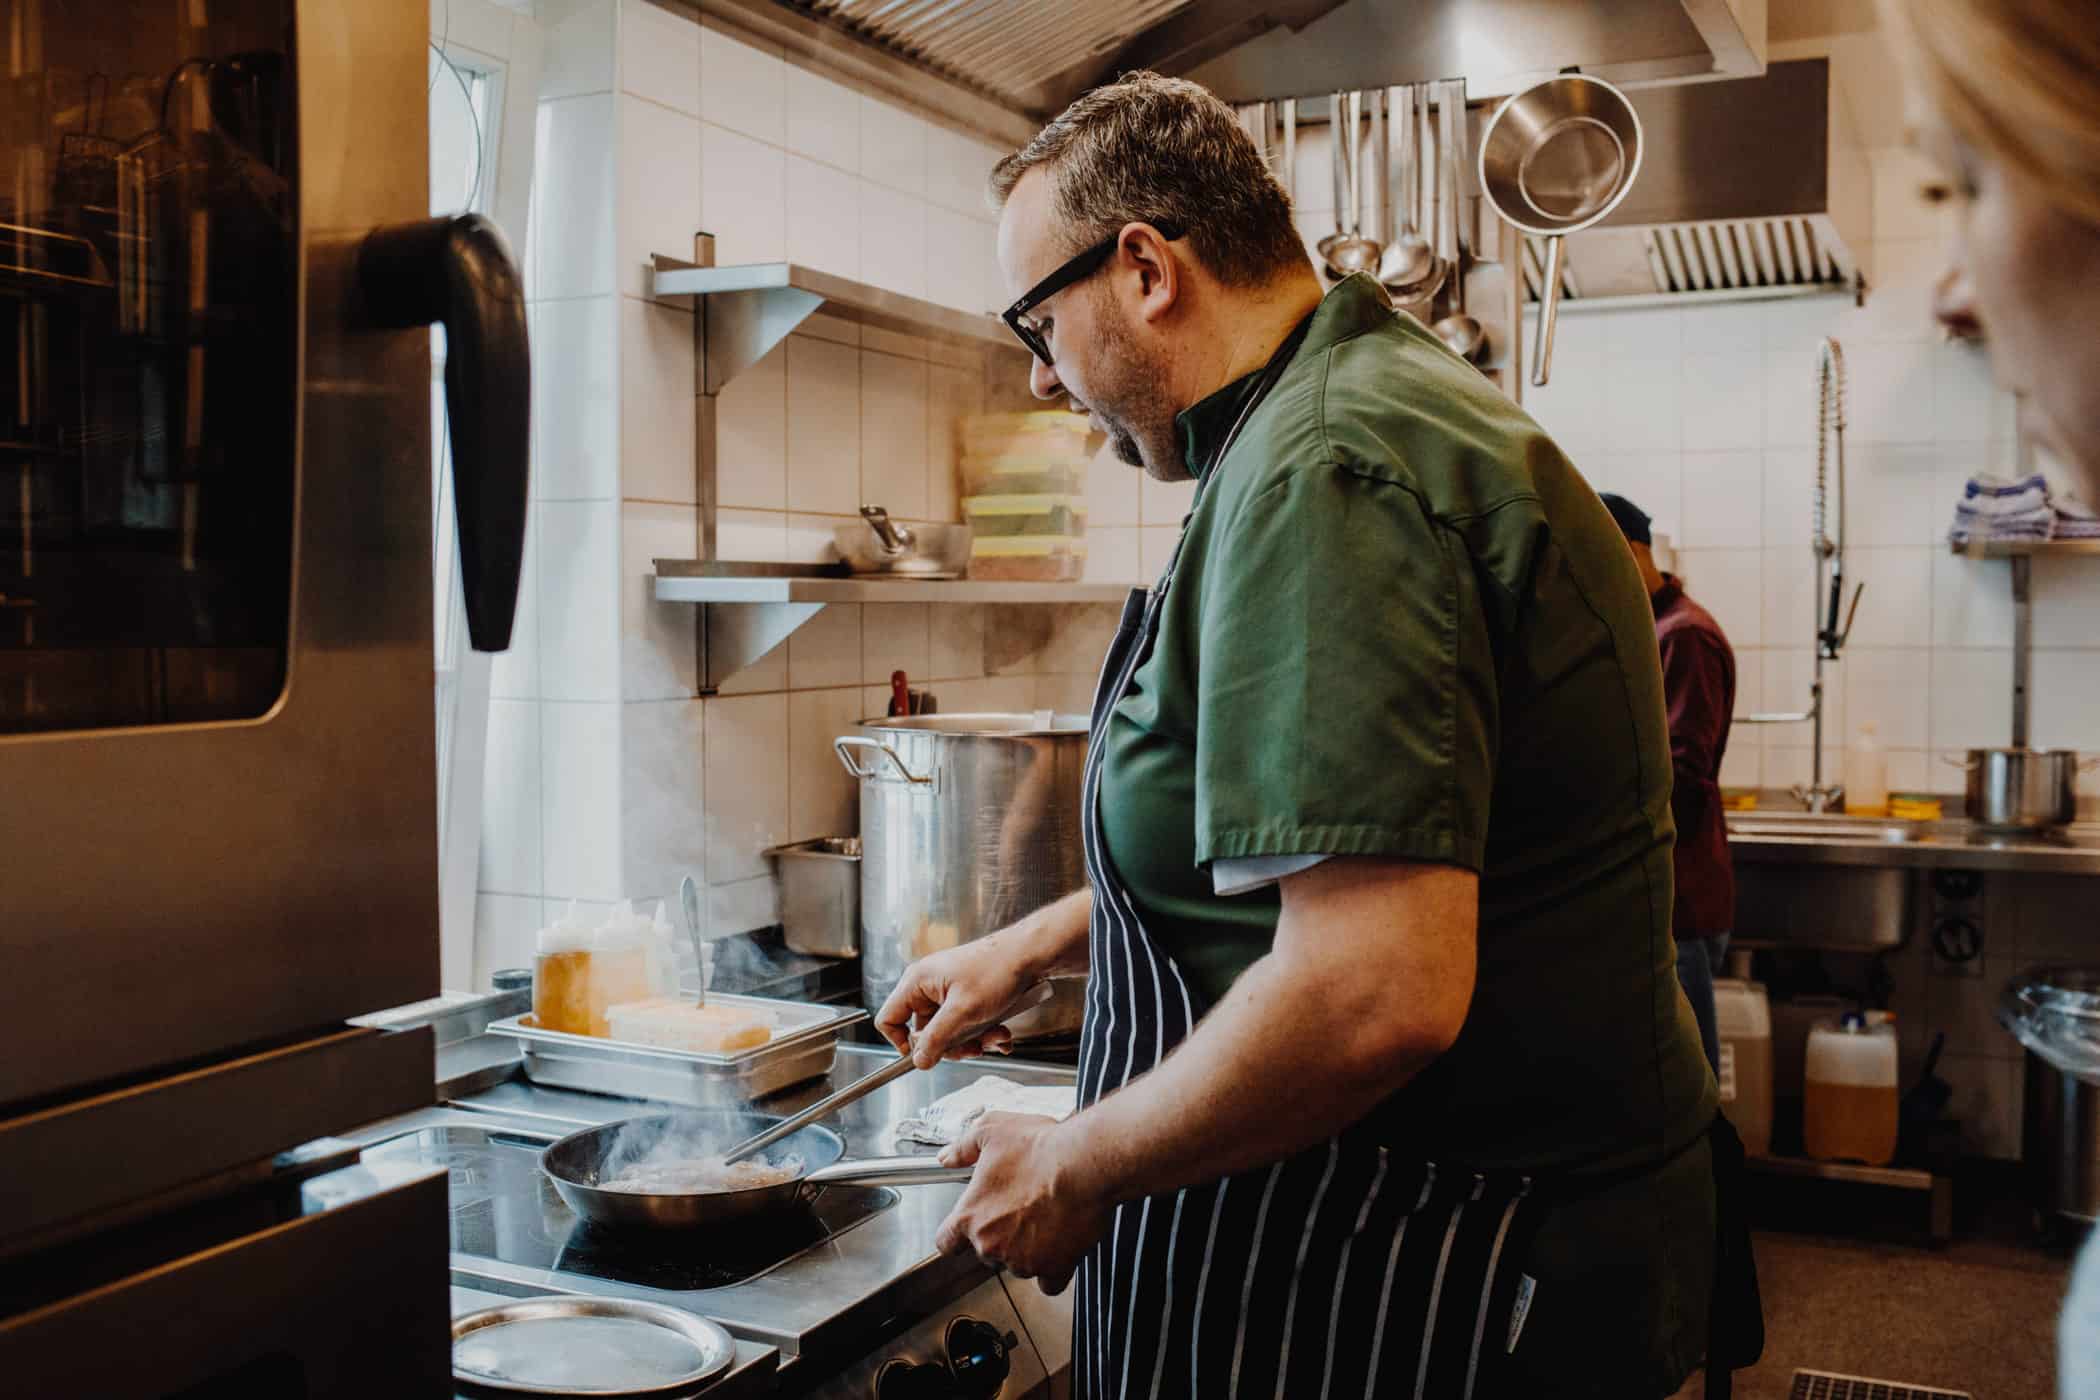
(618, 974)
(1849, 1093)
(578, 972)
(561, 990)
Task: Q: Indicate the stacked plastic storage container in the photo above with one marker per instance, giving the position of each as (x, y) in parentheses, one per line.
(1024, 494)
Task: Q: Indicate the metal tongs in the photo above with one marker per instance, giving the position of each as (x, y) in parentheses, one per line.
(857, 1090)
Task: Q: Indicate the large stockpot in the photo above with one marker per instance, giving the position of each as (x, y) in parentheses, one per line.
(2021, 789)
(967, 822)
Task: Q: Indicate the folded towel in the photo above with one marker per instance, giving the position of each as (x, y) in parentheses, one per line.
(949, 1117)
(1994, 495)
(2073, 528)
(2069, 507)
(1999, 508)
(2027, 527)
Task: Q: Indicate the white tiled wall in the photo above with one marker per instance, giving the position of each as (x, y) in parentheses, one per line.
(1716, 438)
(607, 777)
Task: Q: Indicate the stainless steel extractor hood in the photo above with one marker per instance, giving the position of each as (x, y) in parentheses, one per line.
(1752, 187)
(1033, 58)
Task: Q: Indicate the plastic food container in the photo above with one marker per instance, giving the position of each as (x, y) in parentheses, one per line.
(993, 517)
(1849, 1094)
(1023, 476)
(1053, 433)
(1033, 558)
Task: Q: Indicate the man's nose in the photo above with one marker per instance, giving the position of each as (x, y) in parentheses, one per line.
(1954, 304)
(1042, 380)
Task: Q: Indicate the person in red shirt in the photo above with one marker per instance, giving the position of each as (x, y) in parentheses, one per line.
(1699, 691)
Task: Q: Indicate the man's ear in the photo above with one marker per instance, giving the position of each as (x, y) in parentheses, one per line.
(1148, 258)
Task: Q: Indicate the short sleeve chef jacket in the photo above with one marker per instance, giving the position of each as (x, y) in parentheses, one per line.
(1401, 625)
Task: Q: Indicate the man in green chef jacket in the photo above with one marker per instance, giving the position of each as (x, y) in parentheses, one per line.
(1386, 1086)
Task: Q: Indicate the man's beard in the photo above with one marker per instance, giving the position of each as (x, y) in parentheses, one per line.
(1130, 399)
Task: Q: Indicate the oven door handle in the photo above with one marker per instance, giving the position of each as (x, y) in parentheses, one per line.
(458, 273)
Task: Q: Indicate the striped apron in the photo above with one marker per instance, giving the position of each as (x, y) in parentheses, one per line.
(1338, 1272)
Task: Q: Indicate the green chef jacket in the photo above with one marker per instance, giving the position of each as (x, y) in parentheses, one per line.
(1401, 625)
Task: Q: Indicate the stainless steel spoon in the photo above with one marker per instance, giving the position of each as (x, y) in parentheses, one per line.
(1463, 335)
(689, 905)
(1409, 263)
(1349, 252)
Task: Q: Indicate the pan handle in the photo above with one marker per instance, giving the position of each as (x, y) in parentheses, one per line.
(887, 1171)
(1549, 308)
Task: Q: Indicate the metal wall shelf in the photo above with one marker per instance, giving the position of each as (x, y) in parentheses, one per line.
(739, 314)
(752, 307)
(2022, 553)
(2024, 549)
(747, 610)
(675, 587)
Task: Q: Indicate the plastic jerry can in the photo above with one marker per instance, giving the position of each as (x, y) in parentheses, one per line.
(1849, 1094)
(1744, 1020)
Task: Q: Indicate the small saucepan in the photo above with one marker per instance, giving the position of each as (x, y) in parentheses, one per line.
(579, 1162)
(2022, 789)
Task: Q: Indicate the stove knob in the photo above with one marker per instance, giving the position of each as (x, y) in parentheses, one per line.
(977, 1354)
(904, 1380)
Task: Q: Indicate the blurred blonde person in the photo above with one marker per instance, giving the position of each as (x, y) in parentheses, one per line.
(2006, 99)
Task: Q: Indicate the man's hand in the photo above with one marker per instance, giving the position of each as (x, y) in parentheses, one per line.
(960, 998)
(1025, 1210)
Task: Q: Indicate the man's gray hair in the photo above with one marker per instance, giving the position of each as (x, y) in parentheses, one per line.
(1166, 152)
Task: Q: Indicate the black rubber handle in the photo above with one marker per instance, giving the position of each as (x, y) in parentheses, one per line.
(457, 272)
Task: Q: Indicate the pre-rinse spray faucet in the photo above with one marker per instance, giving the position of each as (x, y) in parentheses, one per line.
(1833, 621)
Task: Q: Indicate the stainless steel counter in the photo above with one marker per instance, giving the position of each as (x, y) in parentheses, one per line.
(827, 1299)
(1779, 837)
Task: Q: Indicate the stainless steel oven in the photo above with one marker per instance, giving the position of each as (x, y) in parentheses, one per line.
(218, 818)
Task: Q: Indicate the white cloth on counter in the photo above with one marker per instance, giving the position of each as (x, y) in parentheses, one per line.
(950, 1116)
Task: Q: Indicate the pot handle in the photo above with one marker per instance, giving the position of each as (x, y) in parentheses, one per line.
(887, 1171)
(1967, 764)
(844, 745)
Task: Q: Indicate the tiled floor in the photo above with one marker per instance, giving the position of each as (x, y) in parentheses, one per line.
(1848, 1288)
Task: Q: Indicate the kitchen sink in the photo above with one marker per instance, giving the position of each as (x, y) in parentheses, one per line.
(1823, 826)
(1863, 904)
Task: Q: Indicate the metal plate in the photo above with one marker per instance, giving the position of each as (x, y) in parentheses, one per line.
(802, 1049)
(587, 1346)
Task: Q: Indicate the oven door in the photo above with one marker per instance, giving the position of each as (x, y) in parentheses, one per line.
(217, 777)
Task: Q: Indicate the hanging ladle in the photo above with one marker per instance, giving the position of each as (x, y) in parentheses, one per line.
(1463, 335)
(1346, 250)
(1408, 267)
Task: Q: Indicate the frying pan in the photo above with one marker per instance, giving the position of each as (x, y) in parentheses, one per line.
(576, 1163)
(1555, 159)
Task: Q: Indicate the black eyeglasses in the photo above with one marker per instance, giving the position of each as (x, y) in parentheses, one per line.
(1035, 334)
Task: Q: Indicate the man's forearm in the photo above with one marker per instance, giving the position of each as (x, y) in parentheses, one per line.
(1275, 1068)
(1052, 942)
